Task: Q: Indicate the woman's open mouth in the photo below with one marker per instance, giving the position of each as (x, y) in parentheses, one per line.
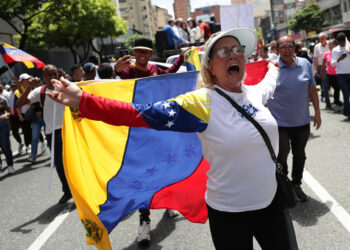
(233, 69)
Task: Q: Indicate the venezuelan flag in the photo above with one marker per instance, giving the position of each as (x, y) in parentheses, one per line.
(255, 72)
(192, 61)
(113, 171)
(11, 54)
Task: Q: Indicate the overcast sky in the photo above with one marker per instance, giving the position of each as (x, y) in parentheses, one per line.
(168, 4)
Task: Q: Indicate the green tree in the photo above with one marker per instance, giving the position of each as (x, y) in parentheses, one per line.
(75, 24)
(19, 14)
(310, 18)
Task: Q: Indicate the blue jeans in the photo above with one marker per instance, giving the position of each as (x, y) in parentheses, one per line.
(5, 144)
(344, 84)
(324, 86)
(37, 123)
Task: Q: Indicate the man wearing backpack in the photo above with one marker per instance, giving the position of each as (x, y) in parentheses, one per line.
(53, 117)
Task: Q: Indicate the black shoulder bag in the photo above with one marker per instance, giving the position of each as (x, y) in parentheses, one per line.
(285, 185)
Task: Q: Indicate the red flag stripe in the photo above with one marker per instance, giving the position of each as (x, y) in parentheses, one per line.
(193, 187)
(21, 58)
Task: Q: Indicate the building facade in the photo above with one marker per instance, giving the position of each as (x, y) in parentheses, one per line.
(162, 17)
(204, 13)
(336, 12)
(140, 15)
(345, 6)
(332, 12)
(182, 9)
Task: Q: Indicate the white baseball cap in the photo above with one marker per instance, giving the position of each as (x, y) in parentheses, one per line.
(24, 76)
(246, 38)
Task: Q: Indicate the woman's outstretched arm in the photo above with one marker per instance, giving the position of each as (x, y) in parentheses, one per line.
(187, 113)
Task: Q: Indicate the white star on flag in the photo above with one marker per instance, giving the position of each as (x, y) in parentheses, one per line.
(171, 113)
(166, 105)
(169, 124)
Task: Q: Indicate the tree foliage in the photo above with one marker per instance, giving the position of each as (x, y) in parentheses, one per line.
(310, 18)
(19, 14)
(75, 24)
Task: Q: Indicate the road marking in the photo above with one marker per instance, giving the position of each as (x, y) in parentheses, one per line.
(46, 234)
(339, 212)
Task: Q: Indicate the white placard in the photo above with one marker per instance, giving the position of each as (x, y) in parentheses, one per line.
(236, 16)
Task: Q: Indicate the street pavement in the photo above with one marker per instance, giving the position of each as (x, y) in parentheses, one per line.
(31, 219)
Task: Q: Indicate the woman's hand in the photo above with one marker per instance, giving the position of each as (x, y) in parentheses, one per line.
(273, 65)
(66, 93)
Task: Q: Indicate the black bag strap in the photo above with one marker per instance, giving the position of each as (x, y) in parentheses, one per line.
(252, 120)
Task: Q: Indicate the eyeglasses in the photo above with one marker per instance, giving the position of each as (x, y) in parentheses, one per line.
(287, 47)
(225, 52)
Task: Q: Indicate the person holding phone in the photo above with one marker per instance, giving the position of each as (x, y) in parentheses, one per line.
(125, 68)
(341, 59)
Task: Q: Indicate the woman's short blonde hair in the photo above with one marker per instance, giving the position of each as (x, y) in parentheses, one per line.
(206, 79)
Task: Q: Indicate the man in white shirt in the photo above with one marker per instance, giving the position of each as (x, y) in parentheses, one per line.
(341, 59)
(53, 117)
(177, 28)
(319, 50)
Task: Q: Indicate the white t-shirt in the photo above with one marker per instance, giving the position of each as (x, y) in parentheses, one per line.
(49, 106)
(195, 34)
(242, 173)
(10, 96)
(343, 66)
(319, 51)
(177, 31)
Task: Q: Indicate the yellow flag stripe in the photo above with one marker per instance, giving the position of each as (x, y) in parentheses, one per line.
(92, 151)
(200, 96)
(28, 64)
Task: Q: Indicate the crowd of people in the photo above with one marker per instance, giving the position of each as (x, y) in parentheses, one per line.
(242, 192)
(329, 58)
(184, 33)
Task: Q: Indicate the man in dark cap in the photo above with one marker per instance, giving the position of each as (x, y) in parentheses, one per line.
(143, 51)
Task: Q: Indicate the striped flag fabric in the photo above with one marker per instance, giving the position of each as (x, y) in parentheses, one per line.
(11, 54)
(113, 171)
